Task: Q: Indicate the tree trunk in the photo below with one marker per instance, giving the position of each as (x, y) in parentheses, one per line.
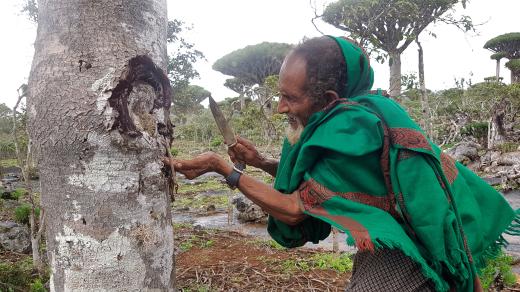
(498, 71)
(395, 74)
(426, 111)
(242, 102)
(496, 131)
(99, 120)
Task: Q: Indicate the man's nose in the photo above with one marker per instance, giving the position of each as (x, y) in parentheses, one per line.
(282, 106)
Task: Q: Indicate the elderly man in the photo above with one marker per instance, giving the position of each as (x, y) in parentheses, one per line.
(354, 159)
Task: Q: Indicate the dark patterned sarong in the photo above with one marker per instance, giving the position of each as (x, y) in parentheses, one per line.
(387, 270)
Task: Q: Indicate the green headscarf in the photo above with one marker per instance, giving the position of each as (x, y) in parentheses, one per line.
(363, 166)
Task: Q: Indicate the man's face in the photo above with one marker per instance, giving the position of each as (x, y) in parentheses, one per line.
(294, 101)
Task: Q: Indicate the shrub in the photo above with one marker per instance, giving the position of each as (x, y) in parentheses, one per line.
(18, 193)
(174, 151)
(478, 130)
(216, 141)
(15, 276)
(37, 286)
(22, 213)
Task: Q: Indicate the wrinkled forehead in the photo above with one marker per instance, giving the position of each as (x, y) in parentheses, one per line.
(293, 71)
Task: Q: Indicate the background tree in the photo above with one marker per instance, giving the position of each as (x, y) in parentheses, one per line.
(390, 25)
(508, 46)
(497, 57)
(189, 99)
(98, 117)
(182, 56)
(241, 87)
(252, 65)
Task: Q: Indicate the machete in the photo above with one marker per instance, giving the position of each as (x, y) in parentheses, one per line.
(225, 129)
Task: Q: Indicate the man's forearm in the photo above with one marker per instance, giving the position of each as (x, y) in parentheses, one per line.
(284, 207)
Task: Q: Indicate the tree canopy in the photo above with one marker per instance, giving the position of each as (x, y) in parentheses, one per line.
(252, 64)
(507, 44)
(390, 25)
(189, 98)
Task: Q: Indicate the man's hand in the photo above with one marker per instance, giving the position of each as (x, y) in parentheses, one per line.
(245, 151)
(203, 163)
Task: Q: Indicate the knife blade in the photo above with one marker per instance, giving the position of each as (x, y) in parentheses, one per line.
(224, 128)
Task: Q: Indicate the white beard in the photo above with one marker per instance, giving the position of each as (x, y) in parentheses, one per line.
(293, 135)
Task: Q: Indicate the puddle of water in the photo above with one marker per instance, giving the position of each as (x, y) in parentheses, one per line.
(220, 221)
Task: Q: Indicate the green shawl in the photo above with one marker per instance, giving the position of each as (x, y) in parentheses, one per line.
(363, 166)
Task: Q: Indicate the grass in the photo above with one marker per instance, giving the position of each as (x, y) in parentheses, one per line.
(498, 268)
(212, 184)
(8, 162)
(201, 201)
(340, 263)
(195, 241)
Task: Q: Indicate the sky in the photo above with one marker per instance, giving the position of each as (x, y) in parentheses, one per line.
(220, 27)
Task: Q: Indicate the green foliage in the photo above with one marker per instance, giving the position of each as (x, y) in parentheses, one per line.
(498, 56)
(389, 25)
(340, 263)
(501, 265)
(181, 69)
(216, 142)
(22, 213)
(188, 244)
(330, 261)
(21, 276)
(513, 65)
(477, 130)
(409, 81)
(189, 97)
(201, 201)
(252, 64)
(37, 286)
(18, 193)
(508, 43)
(174, 151)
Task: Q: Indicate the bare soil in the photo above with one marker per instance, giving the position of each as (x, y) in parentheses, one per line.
(236, 262)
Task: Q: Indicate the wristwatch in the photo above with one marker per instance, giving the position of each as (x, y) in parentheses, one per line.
(234, 176)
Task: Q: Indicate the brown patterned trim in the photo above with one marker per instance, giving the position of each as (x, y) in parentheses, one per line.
(405, 154)
(358, 231)
(313, 194)
(385, 168)
(409, 138)
(449, 168)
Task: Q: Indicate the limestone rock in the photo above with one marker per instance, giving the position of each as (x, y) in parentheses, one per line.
(14, 237)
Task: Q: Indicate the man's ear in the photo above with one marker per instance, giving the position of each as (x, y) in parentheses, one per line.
(330, 96)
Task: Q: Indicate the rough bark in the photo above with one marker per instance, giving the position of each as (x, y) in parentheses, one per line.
(426, 111)
(395, 74)
(99, 120)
